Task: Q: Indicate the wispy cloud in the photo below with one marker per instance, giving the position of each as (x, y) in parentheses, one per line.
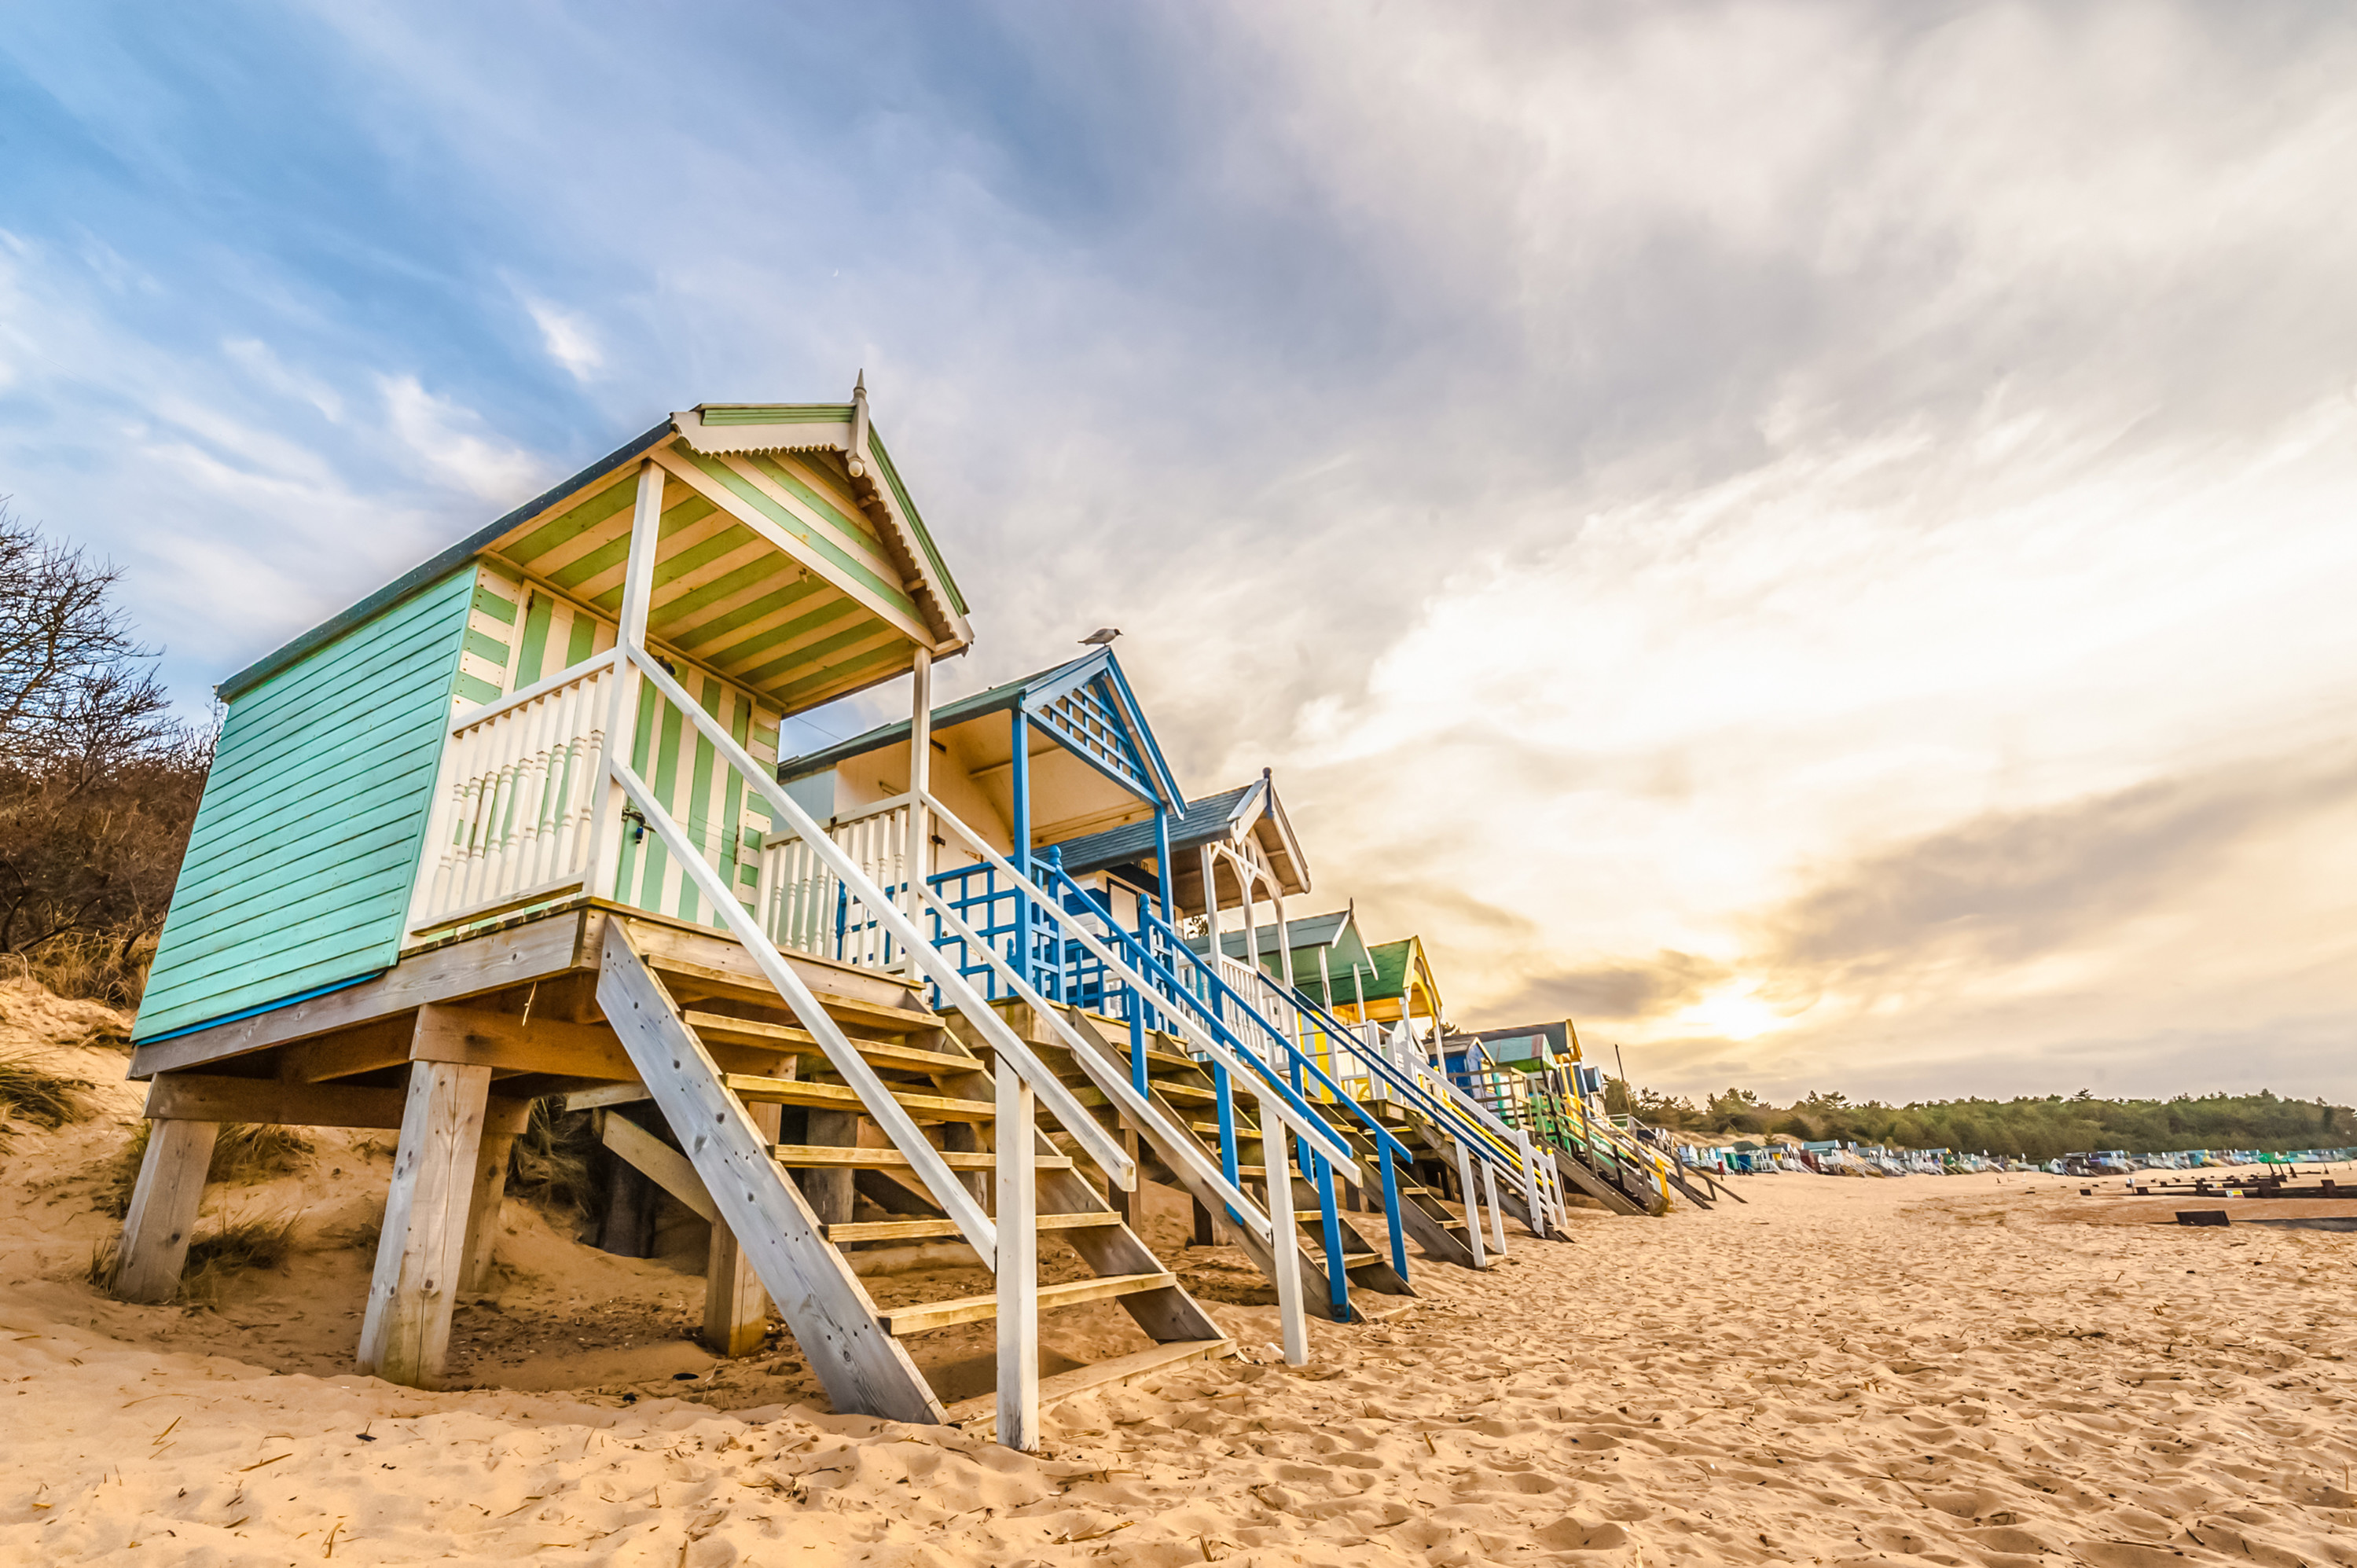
(1813, 535)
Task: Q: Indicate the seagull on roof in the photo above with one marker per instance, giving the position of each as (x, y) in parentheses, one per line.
(1101, 637)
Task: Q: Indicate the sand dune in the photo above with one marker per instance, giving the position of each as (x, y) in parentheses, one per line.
(1949, 1372)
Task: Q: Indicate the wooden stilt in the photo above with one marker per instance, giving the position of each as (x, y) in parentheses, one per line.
(830, 1192)
(154, 1245)
(1275, 1149)
(406, 1332)
(1497, 1209)
(489, 1190)
(1205, 1236)
(628, 1229)
(1471, 1197)
(1017, 1265)
(735, 1307)
(1126, 1203)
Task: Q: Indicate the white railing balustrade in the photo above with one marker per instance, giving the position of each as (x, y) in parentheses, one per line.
(802, 905)
(521, 778)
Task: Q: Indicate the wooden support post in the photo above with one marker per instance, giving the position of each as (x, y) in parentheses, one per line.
(629, 1226)
(406, 1332)
(1126, 1203)
(920, 857)
(1017, 1265)
(1471, 1197)
(830, 1192)
(1497, 1209)
(154, 1245)
(488, 1191)
(1279, 1201)
(735, 1307)
(1205, 1236)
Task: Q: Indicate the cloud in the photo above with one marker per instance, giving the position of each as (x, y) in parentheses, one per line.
(1814, 534)
(451, 445)
(568, 338)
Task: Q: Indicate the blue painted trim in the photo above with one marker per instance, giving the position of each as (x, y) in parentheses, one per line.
(254, 1011)
(1130, 771)
(1166, 781)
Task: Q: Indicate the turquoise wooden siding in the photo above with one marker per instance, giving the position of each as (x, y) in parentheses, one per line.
(300, 871)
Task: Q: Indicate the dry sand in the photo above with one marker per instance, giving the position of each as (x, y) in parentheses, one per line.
(1949, 1370)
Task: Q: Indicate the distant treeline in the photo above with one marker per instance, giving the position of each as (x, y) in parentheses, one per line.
(2034, 1129)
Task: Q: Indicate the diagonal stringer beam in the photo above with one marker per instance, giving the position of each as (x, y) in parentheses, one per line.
(863, 1369)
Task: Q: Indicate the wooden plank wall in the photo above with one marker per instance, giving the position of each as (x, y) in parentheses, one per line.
(306, 843)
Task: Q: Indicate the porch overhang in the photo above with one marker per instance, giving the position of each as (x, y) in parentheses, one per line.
(1093, 762)
(791, 559)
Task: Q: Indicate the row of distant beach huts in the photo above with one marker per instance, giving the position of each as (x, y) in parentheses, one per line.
(1834, 1157)
(523, 829)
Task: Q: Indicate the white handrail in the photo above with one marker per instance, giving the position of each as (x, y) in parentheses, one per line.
(1101, 1073)
(538, 689)
(1107, 1153)
(1320, 1136)
(888, 1113)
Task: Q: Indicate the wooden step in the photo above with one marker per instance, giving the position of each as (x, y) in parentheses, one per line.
(979, 1415)
(786, 1039)
(842, 1097)
(900, 1320)
(877, 1014)
(922, 1229)
(832, 1156)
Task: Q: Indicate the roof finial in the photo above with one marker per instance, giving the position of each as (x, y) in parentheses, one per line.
(856, 460)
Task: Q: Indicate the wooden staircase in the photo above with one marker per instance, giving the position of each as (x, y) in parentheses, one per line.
(770, 1141)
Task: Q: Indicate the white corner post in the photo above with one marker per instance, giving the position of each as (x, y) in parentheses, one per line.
(1277, 1167)
(1284, 937)
(1211, 901)
(1016, 1136)
(919, 856)
(622, 712)
(1247, 875)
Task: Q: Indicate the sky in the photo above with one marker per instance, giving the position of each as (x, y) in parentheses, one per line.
(1815, 540)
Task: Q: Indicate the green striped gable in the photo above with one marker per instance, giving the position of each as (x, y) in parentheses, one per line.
(299, 870)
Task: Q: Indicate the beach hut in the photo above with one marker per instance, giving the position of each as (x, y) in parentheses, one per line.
(509, 827)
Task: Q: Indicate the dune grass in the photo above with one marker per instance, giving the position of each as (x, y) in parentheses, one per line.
(233, 1246)
(33, 1091)
(246, 1152)
(549, 1163)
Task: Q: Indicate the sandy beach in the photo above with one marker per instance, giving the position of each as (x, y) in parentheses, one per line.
(1976, 1370)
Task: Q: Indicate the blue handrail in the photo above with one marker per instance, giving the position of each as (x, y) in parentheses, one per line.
(1381, 1067)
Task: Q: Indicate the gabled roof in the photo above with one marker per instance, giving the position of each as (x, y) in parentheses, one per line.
(1227, 817)
(1086, 703)
(1519, 1042)
(1312, 931)
(791, 558)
